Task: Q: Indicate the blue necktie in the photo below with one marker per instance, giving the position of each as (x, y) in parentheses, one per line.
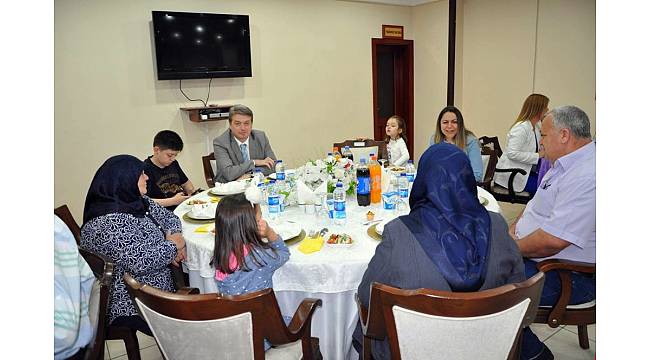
(244, 153)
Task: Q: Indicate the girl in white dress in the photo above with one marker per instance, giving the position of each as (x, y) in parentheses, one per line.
(398, 154)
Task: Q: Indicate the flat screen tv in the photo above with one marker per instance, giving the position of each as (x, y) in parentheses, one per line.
(201, 46)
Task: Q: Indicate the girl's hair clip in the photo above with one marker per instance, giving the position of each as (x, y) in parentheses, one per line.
(254, 195)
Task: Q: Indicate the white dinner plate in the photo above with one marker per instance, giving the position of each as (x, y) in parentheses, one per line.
(380, 226)
(191, 215)
(287, 172)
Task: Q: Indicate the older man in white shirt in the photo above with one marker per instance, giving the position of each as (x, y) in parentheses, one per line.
(560, 221)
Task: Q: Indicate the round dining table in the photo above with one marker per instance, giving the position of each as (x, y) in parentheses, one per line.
(331, 274)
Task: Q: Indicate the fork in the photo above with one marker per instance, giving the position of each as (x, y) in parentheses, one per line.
(371, 221)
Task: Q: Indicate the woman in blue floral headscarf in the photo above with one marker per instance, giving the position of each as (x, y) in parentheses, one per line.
(448, 241)
(137, 234)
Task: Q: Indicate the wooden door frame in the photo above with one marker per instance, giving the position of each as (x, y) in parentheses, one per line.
(408, 117)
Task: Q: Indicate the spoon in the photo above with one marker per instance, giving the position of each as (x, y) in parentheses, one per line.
(323, 231)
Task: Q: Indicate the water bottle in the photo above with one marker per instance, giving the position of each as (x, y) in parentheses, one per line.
(410, 171)
(363, 184)
(258, 176)
(279, 171)
(339, 204)
(273, 200)
(347, 153)
(262, 187)
(330, 158)
(403, 186)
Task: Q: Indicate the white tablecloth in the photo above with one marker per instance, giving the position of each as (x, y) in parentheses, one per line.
(332, 274)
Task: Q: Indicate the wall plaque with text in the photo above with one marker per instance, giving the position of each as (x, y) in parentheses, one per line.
(392, 31)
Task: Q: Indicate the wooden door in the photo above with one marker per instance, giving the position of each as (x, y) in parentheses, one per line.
(392, 85)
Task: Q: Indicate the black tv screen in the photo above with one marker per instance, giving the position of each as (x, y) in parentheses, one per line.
(201, 46)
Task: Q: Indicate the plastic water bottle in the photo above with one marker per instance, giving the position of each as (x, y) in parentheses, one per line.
(339, 204)
(273, 200)
(403, 186)
(258, 176)
(363, 184)
(279, 171)
(262, 187)
(410, 171)
(347, 153)
(329, 158)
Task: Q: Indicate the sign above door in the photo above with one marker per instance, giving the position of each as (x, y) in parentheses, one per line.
(392, 32)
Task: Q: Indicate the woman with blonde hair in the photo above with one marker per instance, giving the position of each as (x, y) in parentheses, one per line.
(522, 146)
(450, 128)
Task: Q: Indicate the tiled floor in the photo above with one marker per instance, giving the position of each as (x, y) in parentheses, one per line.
(563, 341)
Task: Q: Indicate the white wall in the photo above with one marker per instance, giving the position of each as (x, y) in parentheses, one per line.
(511, 50)
(312, 75)
(311, 84)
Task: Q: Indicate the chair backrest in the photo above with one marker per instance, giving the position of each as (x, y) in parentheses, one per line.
(209, 168)
(491, 142)
(363, 148)
(103, 269)
(490, 160)
(210, 325)
(490, 320)
(64, 214)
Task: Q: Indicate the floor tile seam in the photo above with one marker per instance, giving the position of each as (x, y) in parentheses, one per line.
(556, 330)
(570, 327)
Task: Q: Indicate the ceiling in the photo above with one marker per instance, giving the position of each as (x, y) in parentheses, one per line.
(395, 2)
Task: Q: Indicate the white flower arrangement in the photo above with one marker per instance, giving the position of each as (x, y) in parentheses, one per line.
(329, 170)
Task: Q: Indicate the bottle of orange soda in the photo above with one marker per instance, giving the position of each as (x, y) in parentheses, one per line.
(375, 179)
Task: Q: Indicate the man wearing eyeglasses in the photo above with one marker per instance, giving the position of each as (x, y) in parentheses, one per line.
(560, 220)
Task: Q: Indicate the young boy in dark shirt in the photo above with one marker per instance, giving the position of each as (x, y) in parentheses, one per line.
(167, 185)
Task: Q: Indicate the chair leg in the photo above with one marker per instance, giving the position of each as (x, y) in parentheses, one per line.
(132, 346)
(583, 337)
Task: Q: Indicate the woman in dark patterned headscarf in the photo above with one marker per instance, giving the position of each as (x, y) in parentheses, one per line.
(138, 235)
(447, 242)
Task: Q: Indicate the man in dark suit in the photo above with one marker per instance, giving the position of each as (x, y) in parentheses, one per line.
(240, 149)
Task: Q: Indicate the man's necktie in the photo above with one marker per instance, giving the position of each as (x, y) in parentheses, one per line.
(244, 152)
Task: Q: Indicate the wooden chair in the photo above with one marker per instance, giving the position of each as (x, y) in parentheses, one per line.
(64, 214)
(97, 264)
(429, 324)
(499, 192)
(220, 326)
(209, 169)
(489, 157)
(492, 143)
(102, 267)
(562, 313)
(361, 148)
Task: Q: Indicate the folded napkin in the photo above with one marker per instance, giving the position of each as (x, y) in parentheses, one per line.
(308, 196)
(230, 187)
(204, 228)
(203, 211)
(310, 245)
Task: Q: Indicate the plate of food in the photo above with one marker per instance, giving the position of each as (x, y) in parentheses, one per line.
(230, 188)
(340, 240)
(397, 169)
(288, 172)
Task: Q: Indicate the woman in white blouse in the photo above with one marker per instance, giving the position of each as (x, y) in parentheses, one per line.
(522, 147)
(398, 154)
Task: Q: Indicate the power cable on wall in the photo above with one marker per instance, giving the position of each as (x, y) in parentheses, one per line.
(535, 49)
(205, 103)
